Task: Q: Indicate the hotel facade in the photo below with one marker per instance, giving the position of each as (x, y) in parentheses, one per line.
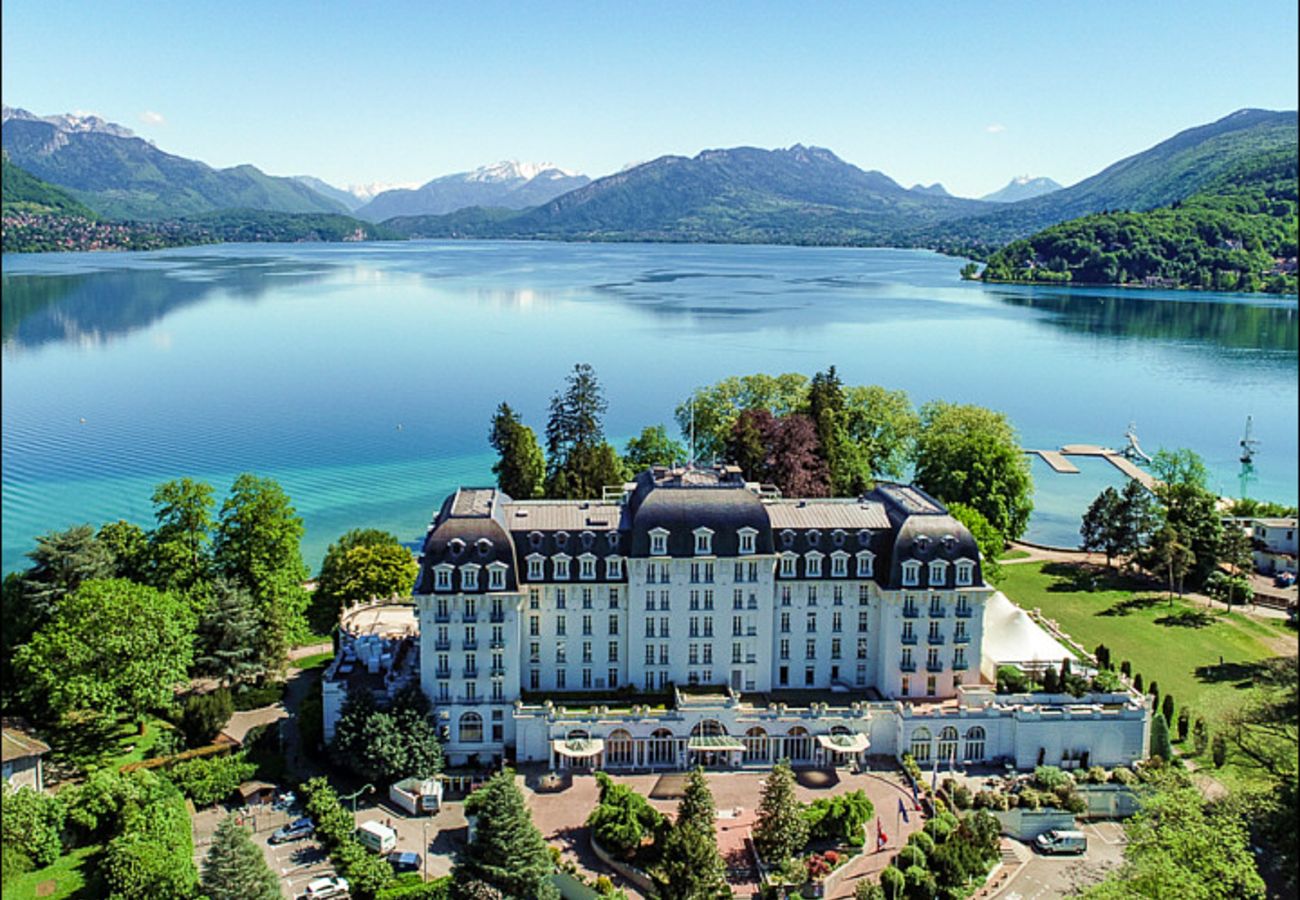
(696, 618)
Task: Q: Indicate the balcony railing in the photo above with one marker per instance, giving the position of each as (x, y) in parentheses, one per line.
(442, 644)
(497, 617)
(937, 612)
(964, 612)
(467, 644)
(470, 698)
(907, 666)
(934, 667)
(442, 673)
(911, 612)
(960, 664)
(961, 638)
(751, 658)
(935, 639)
(909, 639)
(469, 673)
(497, 645)
(442, 617)
(497, 672)
(469, 617)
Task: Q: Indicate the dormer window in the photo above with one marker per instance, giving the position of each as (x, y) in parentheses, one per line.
(703, 541)
(787, 565)
(587, 538)
(442, 578)
(535, 538)
(866, 563)
(922, 542)
(864, 537)
(787, 538)
(612, 537)
(456, 546)
(587, 567)
(658, 542)
(497, 576)
(748, 538)
(838, 537)
(484, 546)
(469, 578)
(536, 567)
(911, 573)
(813, 564)
(949, 542)
(938, 572)
(814, 537)
(613, 567)
(561, 538)
(839, 564)
(560, 566)
(965, 572)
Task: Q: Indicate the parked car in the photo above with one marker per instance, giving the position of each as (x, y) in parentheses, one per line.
(285, 800)
(377, 836)
(1055, 841)
(404, 861)
(1284, 579)
(294, 831)
(331, 887)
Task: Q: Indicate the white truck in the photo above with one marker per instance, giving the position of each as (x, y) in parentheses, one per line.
(1058, 841)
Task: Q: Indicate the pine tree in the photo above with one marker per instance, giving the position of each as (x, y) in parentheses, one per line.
(1200, 736)
(1184, 723)
(1167, 709)
(1160, 745)
(227, 636)
(521, 468)
(235, 868)
(781, 830)
(507, 852)
(692, 868)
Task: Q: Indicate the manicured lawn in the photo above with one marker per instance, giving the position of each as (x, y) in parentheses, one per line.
(1178, 645)
(313, 661)
(131, 745)
(70, 874)
(1013, 554)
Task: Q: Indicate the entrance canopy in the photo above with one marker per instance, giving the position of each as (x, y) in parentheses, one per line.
(579, 748)
(714, 742)
(844, 743)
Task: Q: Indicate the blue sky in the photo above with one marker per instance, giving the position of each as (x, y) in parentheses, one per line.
(969, 94)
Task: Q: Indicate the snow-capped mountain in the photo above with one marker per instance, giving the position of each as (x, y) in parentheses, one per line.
(70, 123)
(1022, 187)
(510, 184)
(367, 192)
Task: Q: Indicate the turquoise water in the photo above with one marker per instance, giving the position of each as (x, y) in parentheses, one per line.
(363, 377)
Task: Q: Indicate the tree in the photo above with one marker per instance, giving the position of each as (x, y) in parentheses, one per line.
(1103, 656)
(128, 546)
(589, 470)
(1160, 745)
(1179, 847)
(373, 571)
(892, 882)
(1264, 729)
(235, 868)
(113, 646)
(32, 823)
(507, 851)
(179, 543)
(520, 468)
(1135, 518)
(1167, 709)
(332, 592)
(968, 454)
(574, 434)
(652, 447)
(795, 459)
(848, 466)
(882, 425)
(1137, 682)
(1184, 724)
(714, 409)
(1098, 528)
(1236, 551)
(692, 868)
(258, 545)
(781, 830)
(388, 744)
(1190, 509)
(1170, 555)
(987, 538)
(61, 562)
(204, 715)
(225, 643)
(1200, 736)
(747, 443)
(623, 819)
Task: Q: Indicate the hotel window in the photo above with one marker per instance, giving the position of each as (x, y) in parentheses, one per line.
(959, 659)
(864, 594)
(839, 565)
(862, 648)
(787, 538)
(906, 662)
(738, 599)
(708, 599)
(737, 653)
(497, 578)
(938, 570)
(813, 565)
(930, 685)
(839, 595)
(534, 652)
(809, 676)
(561, 566)
(787, 565)
(934, 631)
(694, 602)
(932, 659)
(613, 598)
(812, 595)
(658, 542)
(784, 650)
(535, 568)
(561, 653)
(703, 541)
(649, 654)
(965, 573)
(586, 651)
(613, 625)
(694, 630)
(814, 537)
(835, 622)
(587, 567)
(708, 626)
(862, 674)
(862, 620)
(936, 605)
(812, 622)
(586, 598)
(614, 567)
(747, 536)
(810, 649)
(561, 679)
(534, 598)
(708, 654)
(751, 571)
(911, 573)
(865, 562)
(561, 625)
(561, 598)
(586, 625)
(613, 652)
(960, 633)
(963, 605)
(663, 626)
(442, 578)
(785, 595)
(613, 678)
(906, 687)
(534, 626)
(649, 626)
(785, 623)
(663, 600)
(534, 679)
(708, 573)
(693, 655)
(663, 661)
(835, 648)
(649, 599)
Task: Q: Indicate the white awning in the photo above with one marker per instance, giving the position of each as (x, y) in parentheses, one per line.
(844, 743)
(579, 748)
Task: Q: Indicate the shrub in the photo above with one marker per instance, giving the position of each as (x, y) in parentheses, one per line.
(14, 863)
(869, 890)
(1184, 724)
(32, 822)
(1126, 667)
(1097, 775)
(892, 881)
(840, 818)
(152, 854)
(168, 743)
(910, 855)
(817, 867)
(623, 818)
(204, 715)
(961, 797)
(417, 889)
(1049, 778)
(923, 841)
(1011, 680)
(1123, 775)
(248, 697)
(941, 826)
(1107, 682)
(211, 779)
(1167, 709)
(1200, 736)
(1219, 749)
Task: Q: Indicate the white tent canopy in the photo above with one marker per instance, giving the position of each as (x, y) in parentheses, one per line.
(844, 743)
(579, 748)
(1011, 636)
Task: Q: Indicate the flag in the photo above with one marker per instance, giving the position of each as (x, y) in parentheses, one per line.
(881, 837)
(903, 810)
(934, 775)
(952, 761)
(916, 801)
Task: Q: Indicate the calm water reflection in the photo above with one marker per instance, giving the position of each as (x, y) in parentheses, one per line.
(300, 362)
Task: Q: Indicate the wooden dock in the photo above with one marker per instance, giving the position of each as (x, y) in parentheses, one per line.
(1056, 459)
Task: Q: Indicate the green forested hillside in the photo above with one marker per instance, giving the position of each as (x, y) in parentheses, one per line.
(1236, 234)
(23, 192)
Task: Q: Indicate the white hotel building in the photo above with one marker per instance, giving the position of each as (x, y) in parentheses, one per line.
(698, 618)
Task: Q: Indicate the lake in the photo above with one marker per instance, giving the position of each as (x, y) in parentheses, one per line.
(363, 376)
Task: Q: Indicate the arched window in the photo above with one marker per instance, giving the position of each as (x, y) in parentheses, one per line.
(708, 728)
(471, 728)
(920, 746)
(975, 743)
(578, 734)
(757, 746)
(661, 748)
(619, 748)
(798, 744)
(947, 744)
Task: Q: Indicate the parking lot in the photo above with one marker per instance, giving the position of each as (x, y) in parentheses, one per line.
(296, 863)
(1044, 877)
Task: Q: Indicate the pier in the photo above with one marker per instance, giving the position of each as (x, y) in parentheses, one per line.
(1056, 459)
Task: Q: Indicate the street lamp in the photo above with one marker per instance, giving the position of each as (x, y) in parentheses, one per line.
(364, 789)
(424, 851)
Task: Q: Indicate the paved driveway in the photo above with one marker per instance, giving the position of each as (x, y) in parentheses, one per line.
(1045, 877)
(296, 864)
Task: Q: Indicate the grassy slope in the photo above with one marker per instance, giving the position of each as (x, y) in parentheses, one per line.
(24, 192)
(1134, 622)
(71, 874)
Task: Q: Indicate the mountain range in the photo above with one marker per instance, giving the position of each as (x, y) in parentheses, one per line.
(1022, 188)
(507, 185)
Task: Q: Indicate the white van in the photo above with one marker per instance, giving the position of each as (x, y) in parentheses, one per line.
(1055, 841)
(377, 836)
